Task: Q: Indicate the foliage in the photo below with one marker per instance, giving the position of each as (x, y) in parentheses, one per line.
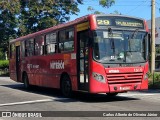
(4, 68)
(103, 3)
(150, 75)
(4, 64)
(40, 14)
(30, 16)
(156, 77)
(158, 50)
(1, 54)
(22, 17)
(106, 3)
(90, 8)
(154, 81)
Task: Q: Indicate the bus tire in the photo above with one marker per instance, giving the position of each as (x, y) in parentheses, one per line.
(112, 94)
(66, 87)
(26, 82)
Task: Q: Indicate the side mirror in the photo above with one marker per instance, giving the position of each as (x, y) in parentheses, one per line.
(149, 43)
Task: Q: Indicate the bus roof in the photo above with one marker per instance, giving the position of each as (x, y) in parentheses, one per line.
(119, 15)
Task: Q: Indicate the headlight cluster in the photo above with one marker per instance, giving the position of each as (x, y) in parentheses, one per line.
(146, 76)
(99, 77)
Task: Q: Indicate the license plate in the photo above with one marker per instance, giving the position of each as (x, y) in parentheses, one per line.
(125, 88)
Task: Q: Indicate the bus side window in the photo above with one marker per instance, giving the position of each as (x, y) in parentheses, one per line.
(51, 43)
(61, 41)
(23, 48)
(66, 40)
(29, 47)
(39, 43)
(69, 41)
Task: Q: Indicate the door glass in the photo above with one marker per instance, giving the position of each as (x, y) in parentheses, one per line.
(83, 63)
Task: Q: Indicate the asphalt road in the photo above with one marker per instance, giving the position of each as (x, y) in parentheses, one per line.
(13, 97)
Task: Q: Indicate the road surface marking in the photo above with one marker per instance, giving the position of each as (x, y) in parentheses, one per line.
(139, 94)
(26, 102)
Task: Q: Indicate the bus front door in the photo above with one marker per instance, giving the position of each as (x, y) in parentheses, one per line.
(18, 62)
(82, 60)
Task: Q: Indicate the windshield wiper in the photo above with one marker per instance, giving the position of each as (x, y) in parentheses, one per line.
(110, 32)
(134, 34)
(132, 37)
(131, 51)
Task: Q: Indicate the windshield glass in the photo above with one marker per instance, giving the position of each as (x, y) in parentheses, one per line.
(119, 46)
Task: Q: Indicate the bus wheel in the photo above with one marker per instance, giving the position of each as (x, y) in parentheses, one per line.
(26, 82)
(66, 86)
(111, 94)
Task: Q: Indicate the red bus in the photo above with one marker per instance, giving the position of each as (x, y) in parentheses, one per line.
(94, 53)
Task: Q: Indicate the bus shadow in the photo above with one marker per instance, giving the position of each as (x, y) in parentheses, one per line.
(36, 90)
(148, 91)
(76, 97)
(94, 98)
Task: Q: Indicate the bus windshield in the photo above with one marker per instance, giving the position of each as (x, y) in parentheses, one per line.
(120, 46)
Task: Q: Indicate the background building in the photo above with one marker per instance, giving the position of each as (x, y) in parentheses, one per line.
(157, 41)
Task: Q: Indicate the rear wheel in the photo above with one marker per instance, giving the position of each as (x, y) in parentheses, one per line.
(112, 94)
(66, 86)
(26, 82)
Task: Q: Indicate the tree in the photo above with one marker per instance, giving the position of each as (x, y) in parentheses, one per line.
(93, 11)
(106, 3)
(41, 14)
(22, 17)
(7, 23)
(103, 3)
(27, 16)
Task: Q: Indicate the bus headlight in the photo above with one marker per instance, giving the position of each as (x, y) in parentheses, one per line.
(146, 76)
(99, 77)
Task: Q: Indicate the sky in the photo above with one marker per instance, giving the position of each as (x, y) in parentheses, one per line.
(136, 8)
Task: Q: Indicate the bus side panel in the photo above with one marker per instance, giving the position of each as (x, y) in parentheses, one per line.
(59, 64)
(32, 66)
(39, 73)
(74, 82)
(47, 70)
(94, 85)
(51, 77)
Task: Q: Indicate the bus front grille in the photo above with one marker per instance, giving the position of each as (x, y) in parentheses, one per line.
(120, 78)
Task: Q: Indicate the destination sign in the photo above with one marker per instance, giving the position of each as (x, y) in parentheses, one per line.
(129, 23)
(119, 22)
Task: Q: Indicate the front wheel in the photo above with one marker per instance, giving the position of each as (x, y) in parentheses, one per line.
(66, 86)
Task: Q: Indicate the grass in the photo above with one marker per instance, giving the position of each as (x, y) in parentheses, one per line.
(4, 64)
(154, 84)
